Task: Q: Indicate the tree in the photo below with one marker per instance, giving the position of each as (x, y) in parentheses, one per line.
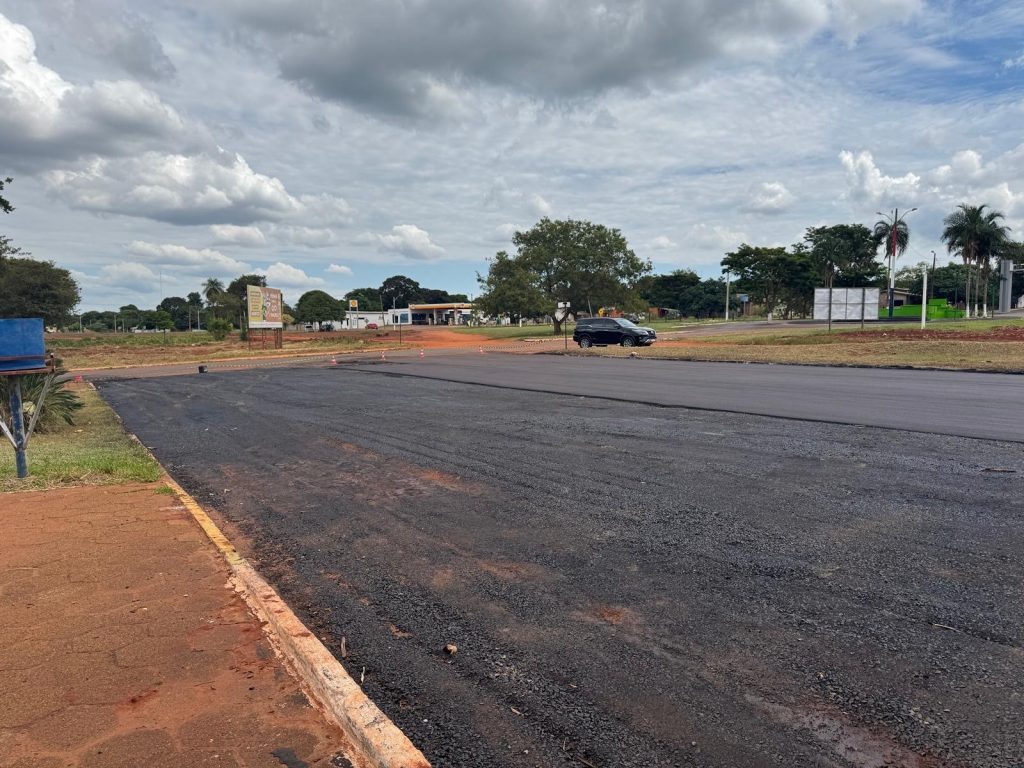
(510, 288)
(30, 288)
(179, 311)
(318, 307)
(844, 254)
(586, 264)
(686, 293)
(213, 290)
(400, 291)
(977, 237)
(774, 277)
(5, 204)
(238, 286)
(368, 298)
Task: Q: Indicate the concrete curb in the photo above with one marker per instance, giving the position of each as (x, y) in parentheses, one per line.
(379, 741)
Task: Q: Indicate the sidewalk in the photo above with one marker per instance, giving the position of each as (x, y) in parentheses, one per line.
(121, 646)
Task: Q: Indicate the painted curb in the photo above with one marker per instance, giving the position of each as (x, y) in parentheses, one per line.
(378, 741)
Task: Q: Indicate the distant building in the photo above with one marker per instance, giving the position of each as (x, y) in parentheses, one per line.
(454, 313)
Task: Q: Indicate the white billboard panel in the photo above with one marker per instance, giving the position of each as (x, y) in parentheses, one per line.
(847, 303)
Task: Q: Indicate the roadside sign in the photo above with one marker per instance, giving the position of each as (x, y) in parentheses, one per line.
(263, 307)
(563, 305)
(353, 303)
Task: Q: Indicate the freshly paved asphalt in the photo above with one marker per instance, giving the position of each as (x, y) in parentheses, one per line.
(627, 585)
(981, 405)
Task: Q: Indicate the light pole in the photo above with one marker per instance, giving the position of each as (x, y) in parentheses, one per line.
(894, 225)
(933, 274)
(728, 275)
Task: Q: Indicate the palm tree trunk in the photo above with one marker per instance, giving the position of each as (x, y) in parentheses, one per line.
(967, 291)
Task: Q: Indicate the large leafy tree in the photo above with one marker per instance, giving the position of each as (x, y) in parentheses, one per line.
(179, 311)
(775, 278)
(238, 286)
(400, 291)
(586, 264)
(844, 255)
(30, 288)
(510, 288)
(977, 237)
(368, 298)
(318, 307)
(684, 291)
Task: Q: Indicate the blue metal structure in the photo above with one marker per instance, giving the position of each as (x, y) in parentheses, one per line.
(21, 345)
(22, 351)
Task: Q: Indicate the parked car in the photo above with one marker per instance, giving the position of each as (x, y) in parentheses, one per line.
(326, 326)
(602, 331)
(372, 326)
(307, 327)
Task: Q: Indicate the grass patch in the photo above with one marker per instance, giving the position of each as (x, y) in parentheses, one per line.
(95, 451)
(110, 350)
(1007, 357)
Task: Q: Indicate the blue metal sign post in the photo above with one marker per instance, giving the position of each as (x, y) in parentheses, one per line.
(18, 428)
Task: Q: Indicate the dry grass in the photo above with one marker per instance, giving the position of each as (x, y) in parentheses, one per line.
(953, 346)
(119, 350)
(95, 451)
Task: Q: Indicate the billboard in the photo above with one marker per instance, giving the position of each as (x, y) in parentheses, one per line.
(847, 304)
(264, 307)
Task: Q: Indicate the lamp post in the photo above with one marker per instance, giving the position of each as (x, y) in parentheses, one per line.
(933, 274)
(894, 225)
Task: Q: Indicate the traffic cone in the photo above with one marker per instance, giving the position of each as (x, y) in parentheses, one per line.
(421, 353)
(481, 350)
(334, 360)
(382, 355)
(79, 379)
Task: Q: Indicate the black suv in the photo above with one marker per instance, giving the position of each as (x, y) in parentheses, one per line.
(602, 331)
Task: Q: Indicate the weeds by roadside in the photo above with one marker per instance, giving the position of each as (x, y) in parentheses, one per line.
(94, 451)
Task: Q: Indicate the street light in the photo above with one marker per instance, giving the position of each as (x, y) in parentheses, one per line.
(894, 223)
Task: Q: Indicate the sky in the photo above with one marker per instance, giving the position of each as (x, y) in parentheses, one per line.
(331, 144)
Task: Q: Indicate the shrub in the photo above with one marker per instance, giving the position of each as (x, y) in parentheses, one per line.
(60, 404)
(219, 328)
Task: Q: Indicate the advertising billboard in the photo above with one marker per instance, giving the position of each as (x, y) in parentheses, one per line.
(264, 307)
(847, 303)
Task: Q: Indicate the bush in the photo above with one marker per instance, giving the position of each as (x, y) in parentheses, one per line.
(60, 404)
(219, 328)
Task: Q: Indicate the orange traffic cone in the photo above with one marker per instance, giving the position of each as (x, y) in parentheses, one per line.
(334, 360)
(382, 355)
(421, 353)
(481, 350)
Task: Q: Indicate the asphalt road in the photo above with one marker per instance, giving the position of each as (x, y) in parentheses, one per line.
(983, 405)
(627, 585)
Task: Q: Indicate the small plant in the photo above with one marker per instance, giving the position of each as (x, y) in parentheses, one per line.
(219, 328)
(60, 403)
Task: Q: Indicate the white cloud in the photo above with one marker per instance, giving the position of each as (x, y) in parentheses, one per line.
(421, 60)
(206, 260)
(1016, 63)
(131, 275)
(662, 243)
(715, 237)
(852, 18)
(769, 198)
(281, 275)
(311, 237)
(230, 234)
(339, 269)
(867, 183)
(502, 195)
(206, 188)
(503, 233)
(46, 120)
(407, 240)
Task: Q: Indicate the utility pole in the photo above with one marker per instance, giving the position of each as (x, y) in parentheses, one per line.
(933, 275)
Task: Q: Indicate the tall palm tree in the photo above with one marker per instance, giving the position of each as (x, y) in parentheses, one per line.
(895, 234)
(213, 289)
(977, 236)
